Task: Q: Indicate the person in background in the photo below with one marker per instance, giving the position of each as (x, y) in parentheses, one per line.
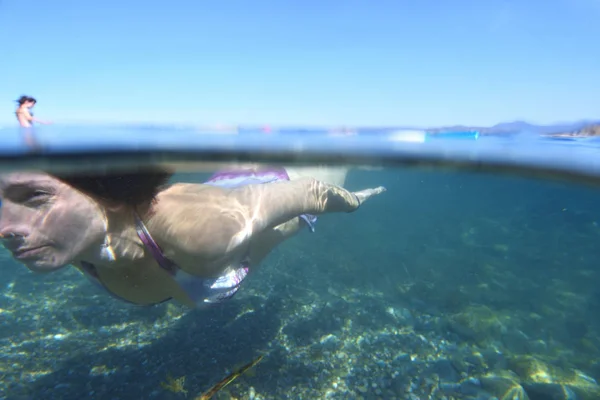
(24, 114)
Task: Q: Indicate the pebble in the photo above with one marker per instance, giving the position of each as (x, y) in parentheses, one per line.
(362, 389)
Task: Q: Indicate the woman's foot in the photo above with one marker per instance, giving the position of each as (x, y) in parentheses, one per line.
(366, 194)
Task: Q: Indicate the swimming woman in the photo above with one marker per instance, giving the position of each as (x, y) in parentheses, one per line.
(24, 114)
(146, 242)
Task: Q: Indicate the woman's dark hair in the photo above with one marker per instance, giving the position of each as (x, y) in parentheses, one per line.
(131, 188)
(24, 99)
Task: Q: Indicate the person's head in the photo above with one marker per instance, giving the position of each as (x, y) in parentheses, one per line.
(26, 101)
(48, 222)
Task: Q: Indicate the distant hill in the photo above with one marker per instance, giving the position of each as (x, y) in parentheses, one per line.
(521, 126)
(586, 131)
(515, 126)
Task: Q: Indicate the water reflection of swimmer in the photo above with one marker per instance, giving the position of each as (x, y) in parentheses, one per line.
(147, 242)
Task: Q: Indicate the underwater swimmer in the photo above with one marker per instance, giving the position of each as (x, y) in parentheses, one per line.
(147, 242)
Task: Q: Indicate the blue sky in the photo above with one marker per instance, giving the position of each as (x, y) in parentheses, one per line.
(416, 62)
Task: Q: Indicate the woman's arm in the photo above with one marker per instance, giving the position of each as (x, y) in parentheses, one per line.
(26, 116)
(41, 121)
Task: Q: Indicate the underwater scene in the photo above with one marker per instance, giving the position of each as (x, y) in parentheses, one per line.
(449, 285)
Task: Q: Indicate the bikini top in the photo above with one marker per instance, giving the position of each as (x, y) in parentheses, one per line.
(200, 290)
(22, 112)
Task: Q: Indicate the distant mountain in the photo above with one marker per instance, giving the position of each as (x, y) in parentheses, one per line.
(586, 131)
(521, 126)
(515, 126)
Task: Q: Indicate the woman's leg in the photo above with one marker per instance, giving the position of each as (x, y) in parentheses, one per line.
(269, 205)
(263, 243)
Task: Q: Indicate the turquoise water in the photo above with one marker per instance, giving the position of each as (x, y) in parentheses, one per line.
(450, 285)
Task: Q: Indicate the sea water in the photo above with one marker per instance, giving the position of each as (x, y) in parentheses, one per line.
(464, 280)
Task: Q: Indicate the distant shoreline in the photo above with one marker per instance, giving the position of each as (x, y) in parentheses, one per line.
(585, 132)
